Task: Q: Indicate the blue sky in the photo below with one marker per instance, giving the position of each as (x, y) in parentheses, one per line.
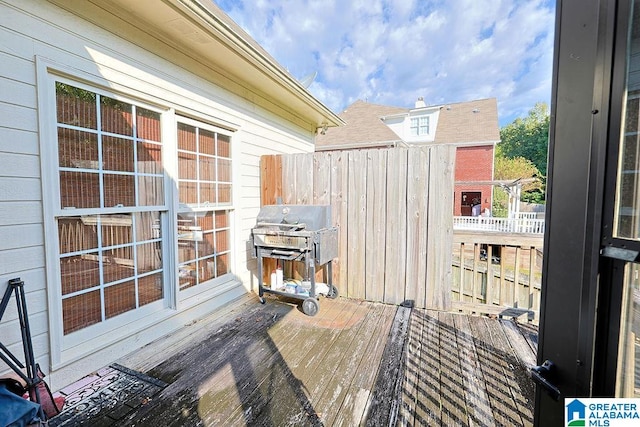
(393, 51)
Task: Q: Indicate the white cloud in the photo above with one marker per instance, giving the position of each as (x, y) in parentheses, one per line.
(392, 51)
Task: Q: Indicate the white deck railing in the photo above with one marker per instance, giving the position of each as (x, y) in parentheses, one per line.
(503, 225)
(526, 215)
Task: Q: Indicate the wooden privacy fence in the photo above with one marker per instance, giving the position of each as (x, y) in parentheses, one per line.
(394, 210)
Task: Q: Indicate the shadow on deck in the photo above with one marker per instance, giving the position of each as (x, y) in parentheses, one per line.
(355, 363)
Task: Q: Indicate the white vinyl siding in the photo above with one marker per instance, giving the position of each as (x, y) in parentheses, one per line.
(42, 41)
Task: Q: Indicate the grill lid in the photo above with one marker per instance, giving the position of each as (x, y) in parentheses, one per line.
(308, 217)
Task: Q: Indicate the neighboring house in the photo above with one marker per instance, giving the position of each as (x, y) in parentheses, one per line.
(130, 140)
(471, 126)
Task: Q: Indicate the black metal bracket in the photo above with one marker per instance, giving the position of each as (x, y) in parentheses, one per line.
(542, 375)
(16, 288)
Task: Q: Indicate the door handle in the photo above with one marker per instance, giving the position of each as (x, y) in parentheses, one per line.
(542, 375)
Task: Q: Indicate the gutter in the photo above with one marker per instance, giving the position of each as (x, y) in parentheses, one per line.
(262, 60)
(378, 144)
(398, 143)
(469, 143)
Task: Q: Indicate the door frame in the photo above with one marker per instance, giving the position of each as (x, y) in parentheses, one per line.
(577, 305)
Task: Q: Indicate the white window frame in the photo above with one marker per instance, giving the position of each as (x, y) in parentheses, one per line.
(78, 344)
(187, 294)
(419, 126)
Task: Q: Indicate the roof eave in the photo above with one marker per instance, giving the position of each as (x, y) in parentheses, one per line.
(199, 32)
(249, 53)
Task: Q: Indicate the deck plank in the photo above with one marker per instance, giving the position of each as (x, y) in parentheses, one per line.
(149, 357)
(220, 364)
(516, 376)
(428, 409)
(494, 364)
(520, 342)
(281, 381)
(351, 360)
(421, 392)
(412, 369)
(316, 369)
(354, 405)
(452, 379)
(384, 400)
(478, 404)
(354, 363)
(268, 372)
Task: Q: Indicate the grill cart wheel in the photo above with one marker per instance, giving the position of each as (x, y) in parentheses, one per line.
(310, 306)
(333, 292)
(262, 300)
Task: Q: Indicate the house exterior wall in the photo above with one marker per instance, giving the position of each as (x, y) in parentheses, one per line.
(473, 163)
(41, 40)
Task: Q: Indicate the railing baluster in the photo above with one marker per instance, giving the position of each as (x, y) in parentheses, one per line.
(462, 271)
(474, 282)
(516, 279)
(489, 296)
(532, 267)
(502, 274)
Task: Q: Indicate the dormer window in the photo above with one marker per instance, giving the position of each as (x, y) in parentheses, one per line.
(419, 126)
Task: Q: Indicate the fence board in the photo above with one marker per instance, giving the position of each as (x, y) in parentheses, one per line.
(438, 262)
(271, 179)
(396, 249)
(416, 225)
(321, 176)
(289, 180)
(304, 179)
(357, 205)
(270, 189)
(376, 224)
(339, 208)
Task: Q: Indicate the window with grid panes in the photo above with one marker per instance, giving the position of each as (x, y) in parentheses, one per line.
(111, 199)
(204, 188)
(419, 126)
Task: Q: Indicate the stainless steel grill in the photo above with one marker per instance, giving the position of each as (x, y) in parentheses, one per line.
(300, 233)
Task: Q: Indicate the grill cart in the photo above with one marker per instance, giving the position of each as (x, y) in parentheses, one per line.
(301, 233)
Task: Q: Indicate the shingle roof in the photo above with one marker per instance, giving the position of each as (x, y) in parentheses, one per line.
(471, 122)
(468, 122)
(363, 126)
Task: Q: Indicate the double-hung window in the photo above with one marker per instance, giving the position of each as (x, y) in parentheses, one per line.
(419, 126)
(111, 199)
(141, 211)
(204, 188)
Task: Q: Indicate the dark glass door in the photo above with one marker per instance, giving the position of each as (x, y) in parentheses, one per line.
(590, 298)
(622, 211)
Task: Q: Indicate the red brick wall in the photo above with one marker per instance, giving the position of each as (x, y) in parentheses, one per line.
(473, 164)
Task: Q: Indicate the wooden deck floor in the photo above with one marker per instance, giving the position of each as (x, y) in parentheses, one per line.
(355, 363)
